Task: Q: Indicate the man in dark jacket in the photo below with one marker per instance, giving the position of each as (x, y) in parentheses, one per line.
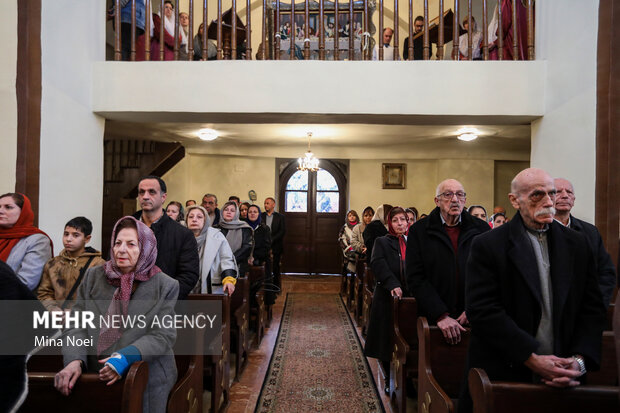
(532, 297)
(564, 201)
(437, 251)
(209, 202)
(275, 221)
(177, 252)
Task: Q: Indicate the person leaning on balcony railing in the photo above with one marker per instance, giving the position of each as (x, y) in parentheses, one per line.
(418, 43)
(476, 39)
(211, 49)
(126, 28)
(388, 50)
(168, 33)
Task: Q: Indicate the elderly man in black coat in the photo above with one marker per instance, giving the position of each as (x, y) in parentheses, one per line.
(564, 201)
(437, 251)
(532, 298)
(177, 252)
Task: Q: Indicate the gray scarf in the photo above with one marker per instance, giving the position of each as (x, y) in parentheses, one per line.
(235, 226)
(201, 239)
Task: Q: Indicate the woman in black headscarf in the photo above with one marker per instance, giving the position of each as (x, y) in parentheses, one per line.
(238, 234)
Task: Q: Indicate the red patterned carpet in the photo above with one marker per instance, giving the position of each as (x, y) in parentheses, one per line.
(317, 363)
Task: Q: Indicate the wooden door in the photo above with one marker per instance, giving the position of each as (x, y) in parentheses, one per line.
(314, 206)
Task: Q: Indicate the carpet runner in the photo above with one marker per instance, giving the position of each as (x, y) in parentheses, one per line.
(317, 364)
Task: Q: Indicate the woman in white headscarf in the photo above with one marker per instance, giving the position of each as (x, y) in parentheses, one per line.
(218, 269)
(169, 29)
(238, 233)
(377, 228)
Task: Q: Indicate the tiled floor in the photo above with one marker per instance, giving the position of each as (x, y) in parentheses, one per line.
(244, 394)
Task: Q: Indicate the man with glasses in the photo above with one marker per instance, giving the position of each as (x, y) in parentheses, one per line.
(532, 297)
(564, 201)
(437, 251)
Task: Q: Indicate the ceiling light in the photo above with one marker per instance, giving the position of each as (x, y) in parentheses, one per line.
(207, 134)
(467, 134)
(308, 162)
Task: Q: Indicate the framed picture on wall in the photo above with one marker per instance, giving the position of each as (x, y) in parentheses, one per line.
(394, 176)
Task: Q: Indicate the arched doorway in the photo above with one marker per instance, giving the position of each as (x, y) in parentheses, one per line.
(314, 206)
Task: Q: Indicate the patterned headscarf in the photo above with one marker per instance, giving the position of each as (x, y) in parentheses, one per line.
(24, 227)
(144, 270)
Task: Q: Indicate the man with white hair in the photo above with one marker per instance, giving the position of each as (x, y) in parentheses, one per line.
(437, 251)
(564, 201)
(532, 297)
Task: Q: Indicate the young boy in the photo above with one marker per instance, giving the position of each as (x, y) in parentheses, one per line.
(61, 272)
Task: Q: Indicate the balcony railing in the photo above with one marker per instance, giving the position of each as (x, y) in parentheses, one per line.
(324, 30)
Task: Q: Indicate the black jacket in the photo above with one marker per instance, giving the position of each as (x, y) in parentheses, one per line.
(386, 265)
(262, 244)
(218, 216)
(373, 231)
(503, 300)
(435, 276)
(278, 229)
(418, 48)
(177, 252)
(605, 269)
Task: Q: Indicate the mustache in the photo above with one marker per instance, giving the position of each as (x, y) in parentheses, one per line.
(545, 211)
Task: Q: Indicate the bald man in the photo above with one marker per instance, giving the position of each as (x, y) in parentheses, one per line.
(437, 251)
(564, 202)
(532, 297)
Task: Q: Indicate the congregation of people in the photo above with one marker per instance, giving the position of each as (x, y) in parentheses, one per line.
(157, 257)
(533, 290)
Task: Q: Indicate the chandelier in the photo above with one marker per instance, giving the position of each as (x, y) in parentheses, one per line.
(308, 162)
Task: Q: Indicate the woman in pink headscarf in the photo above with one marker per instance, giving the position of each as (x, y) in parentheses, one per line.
(128, 286)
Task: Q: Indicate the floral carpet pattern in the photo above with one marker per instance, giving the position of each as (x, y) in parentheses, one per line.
(317, 363)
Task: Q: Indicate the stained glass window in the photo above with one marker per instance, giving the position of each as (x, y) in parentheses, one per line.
(299, 181)
(327, 202)
(296, 201)
(325, 181)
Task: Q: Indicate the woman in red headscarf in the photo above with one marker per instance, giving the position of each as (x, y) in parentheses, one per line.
(130, 275)
(24, 247)
(388, 264)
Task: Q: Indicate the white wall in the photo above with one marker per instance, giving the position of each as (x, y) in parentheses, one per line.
(564, 140)
(8, 97)
(420, 88)
(71, 174)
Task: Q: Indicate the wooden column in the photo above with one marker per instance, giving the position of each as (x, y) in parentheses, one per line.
(190, 34)
(440, 40)
(455, 32)
(410, 38)
(176, 30)
(485, 32)
(277, 31)
(233, 33)
(427, 52)
(530, 30)
(292, 35)
(470, 29)
(396, 55)
(515, 32)
(380, 42)
(28, 93)
(351, 31)
(608, 126)
(147, 31)
(366, 53)
(500, 32)
(307, 30)
(205, 25)
(321, 30)
(220, 53)
(117, 30)
(248, 30)
(162, 30)
(336, 34)
(132, 55)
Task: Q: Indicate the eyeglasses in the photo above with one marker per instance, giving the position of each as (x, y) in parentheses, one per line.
(449, 195)
(538, 195)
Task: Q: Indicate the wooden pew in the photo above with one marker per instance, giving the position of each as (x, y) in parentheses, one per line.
(608, 374)
(360, 268)
(216, 369)
(258, 312)
(351, 296)
(505, 397)
(369, 290)
(186, 395)
(89, 392)
(404, 364)
(239, 327)
(441, 369)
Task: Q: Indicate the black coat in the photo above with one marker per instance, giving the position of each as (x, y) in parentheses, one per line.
(262, 244)
(177, 252)
(386, 265)
(278, 229)
(503, 300)
(373, 231)
(605, 269)
(436, 278)
(418, 48)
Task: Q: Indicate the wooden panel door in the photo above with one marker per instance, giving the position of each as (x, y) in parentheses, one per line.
(313, 204)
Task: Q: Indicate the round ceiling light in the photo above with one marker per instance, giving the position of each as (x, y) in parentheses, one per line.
(467, 134)
(207, 134)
